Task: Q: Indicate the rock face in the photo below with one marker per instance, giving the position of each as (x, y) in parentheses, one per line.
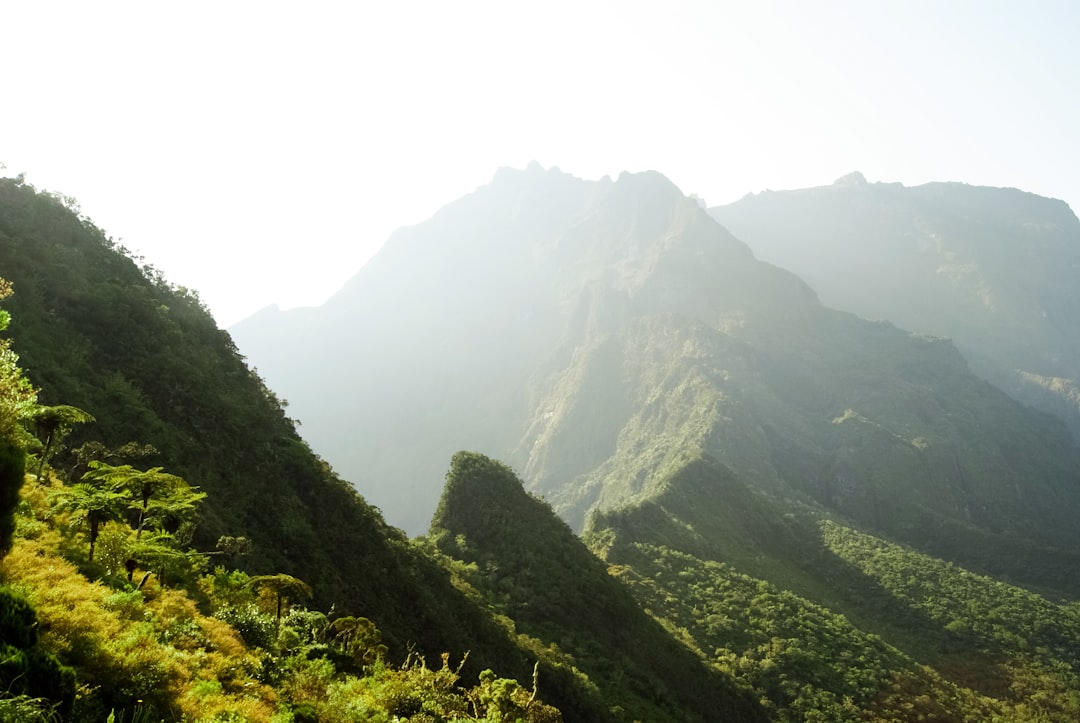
(995, 269)
(602, 335)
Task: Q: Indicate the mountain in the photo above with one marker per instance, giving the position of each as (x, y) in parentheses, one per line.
(95, 330)
(996, 270)
(599, 335)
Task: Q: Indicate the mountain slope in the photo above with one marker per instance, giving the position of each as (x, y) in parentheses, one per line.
(827, 622)
(96, 331)
(541, 576)
(995, 269)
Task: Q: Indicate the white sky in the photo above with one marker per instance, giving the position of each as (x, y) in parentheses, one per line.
(260, 152)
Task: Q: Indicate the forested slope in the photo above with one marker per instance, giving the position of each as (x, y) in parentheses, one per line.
(97, 331)
(827, 622)
(744, 460)
(533, 570)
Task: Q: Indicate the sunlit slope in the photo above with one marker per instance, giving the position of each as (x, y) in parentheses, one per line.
(995, 269)
(860, 417)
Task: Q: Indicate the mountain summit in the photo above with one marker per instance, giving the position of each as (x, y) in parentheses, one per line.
(440, 342)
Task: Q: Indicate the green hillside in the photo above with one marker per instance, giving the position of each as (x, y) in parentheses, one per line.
(830, 623)
(95, 330)
(535, 572)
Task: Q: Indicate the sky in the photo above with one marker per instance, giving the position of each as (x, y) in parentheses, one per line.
(261, 152)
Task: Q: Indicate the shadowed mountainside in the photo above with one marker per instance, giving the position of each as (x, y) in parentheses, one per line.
(995, 269)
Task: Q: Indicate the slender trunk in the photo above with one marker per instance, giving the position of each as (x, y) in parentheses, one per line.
(142, 516)
(93, 534)
(44, 454)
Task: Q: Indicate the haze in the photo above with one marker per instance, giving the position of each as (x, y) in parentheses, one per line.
(261, 152)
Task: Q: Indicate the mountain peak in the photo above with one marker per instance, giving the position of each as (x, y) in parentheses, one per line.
(532, 170)
(481, 493)
(652, 181)
(851, 180)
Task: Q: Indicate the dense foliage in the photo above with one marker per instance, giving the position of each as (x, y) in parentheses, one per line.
(103, 336)
(534, 571)
(223, 647)
(82, 641)
(901, 636)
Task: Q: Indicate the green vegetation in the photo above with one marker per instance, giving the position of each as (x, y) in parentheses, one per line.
(188, 645)
(533, 571)
(893, 635)
(807, 662)
(156, 652)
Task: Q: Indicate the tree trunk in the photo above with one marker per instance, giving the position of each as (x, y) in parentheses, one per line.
(44, 454)
(93, 534)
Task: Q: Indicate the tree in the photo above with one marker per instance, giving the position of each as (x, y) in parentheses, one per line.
(283, 587)
(160, 552)
(12, 466)
(358, 638)
(17, 395)
(52, 424)
(232, 547)
(95, 451)
(159, 499)
(94, 504)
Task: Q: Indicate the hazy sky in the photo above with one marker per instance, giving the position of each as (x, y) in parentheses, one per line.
(260, 152)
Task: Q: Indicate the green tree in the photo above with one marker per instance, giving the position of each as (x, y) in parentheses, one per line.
(52, 423)
(358, 638)
(158, 499)
(93, 504)
(17, 395)
(12, 466)
(283, 587)
(161, 553)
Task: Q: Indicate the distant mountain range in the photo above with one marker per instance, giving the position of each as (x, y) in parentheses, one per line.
(994, 269)
(599, 336)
